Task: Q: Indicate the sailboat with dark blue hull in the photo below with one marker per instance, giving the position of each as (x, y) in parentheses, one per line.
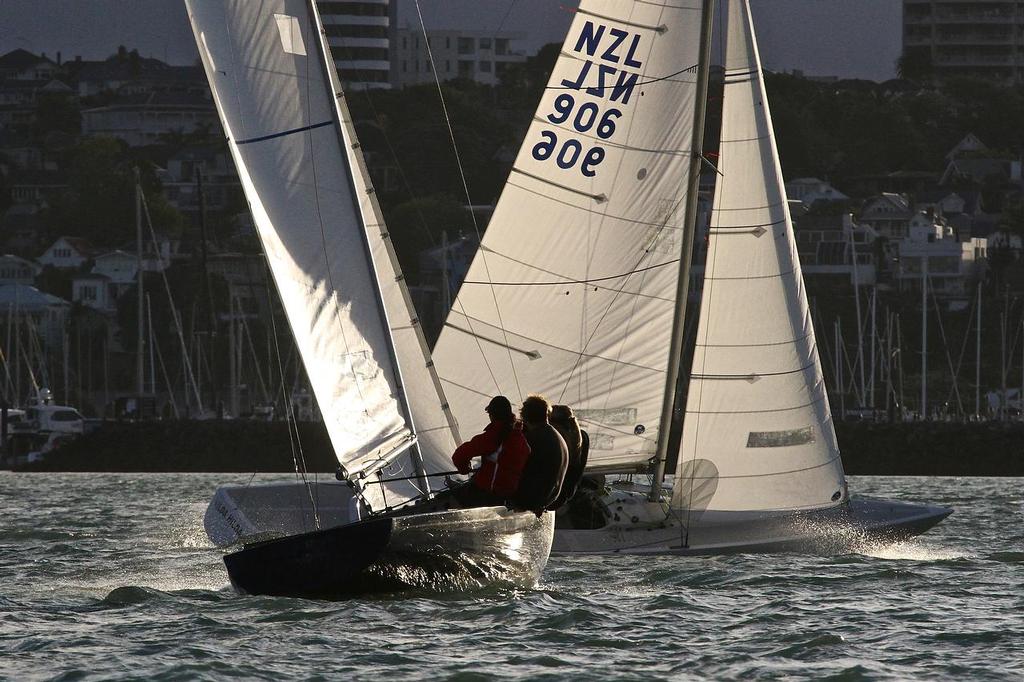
(294, 146)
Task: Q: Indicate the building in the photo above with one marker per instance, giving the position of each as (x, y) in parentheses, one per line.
(46, 313)
(475, 55)
(889, 214)
(16, 270)
(812, 190)
(933, 244)
(829, 244)
(67, 252)
(145, 118)
(972, 38)
(22, 65)
(359, 37)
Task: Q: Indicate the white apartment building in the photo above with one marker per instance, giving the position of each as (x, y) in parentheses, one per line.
(359, 36)
(477, 55)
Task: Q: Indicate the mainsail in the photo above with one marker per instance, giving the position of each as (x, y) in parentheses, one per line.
(328, 251)
(572, 293)
(758, 433)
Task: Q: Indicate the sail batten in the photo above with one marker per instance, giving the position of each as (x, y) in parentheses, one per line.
(757, 419)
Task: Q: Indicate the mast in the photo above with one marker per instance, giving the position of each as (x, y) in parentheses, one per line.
(977, 361)
(675, 354)
(924, 337)
(140, 353)
(338, 111)
(874, 321)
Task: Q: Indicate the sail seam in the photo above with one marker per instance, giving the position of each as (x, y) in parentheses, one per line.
(754, 345)
(776, 410)
(749, 375)
(599, 198)
(609, 143)
(554, 347)
(572, 281)
(645, 223)
(753, 277)
(750, 227)
(657, 29)
(548, 272)
(751, 208)
(284, 133)
(761, 138)
(770, 474)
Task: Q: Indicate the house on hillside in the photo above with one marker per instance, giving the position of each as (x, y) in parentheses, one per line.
(143, 119)
(47, 313)
(22, 65)
(810, 191)
(67, 253)
(16, 270)
(932, 246)
(888, 214)
(830, 244)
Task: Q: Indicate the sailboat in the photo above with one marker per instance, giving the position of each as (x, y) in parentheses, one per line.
(580, 286)
(293, 142)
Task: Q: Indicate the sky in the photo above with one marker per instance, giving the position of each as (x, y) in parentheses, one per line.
(859, 39)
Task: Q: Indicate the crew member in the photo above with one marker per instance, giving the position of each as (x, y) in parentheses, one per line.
(578, 443)
(542, 477)
(503, 453)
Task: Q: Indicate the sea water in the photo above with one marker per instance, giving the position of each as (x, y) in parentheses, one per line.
(106, 576)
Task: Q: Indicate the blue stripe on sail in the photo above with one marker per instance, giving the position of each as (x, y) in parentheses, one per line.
(282, 134)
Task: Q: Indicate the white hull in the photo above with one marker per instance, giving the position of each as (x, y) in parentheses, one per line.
(260, 512)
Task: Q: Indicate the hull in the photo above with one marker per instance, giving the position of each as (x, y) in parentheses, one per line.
(628, 524)
(452, 550)
(858, 525)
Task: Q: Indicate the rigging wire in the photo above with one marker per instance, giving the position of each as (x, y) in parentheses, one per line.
(469, 200)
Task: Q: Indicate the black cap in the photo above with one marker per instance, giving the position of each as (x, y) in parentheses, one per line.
(499, 407)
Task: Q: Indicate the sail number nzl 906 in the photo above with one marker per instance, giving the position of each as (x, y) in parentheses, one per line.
(609, 74)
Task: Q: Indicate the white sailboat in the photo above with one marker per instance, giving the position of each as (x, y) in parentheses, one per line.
(294, 145)
(579, 288)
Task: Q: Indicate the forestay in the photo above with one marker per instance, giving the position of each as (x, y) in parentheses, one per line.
(267, 73)
(757, 433)
(572, 292)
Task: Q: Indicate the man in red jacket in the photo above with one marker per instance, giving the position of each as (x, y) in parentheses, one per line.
(503, 453)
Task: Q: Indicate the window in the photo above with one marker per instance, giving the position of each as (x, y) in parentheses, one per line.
(501, 46)
(466, 46)
(485, 67)
(485, 43)
(779, 439)
(358, 9)
(65, 416)
(405, 65)
(357, 31)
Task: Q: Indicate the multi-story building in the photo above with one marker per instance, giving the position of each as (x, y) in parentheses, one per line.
(974, 38)
(359, 36)
(476, 55)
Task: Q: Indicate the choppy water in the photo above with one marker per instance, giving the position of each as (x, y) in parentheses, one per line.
(111, 576)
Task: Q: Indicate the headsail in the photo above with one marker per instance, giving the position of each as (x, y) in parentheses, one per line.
(572, 293)
(276, 100)
(758, 432)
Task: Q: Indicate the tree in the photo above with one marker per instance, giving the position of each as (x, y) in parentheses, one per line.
(100, 202)
(915, 65)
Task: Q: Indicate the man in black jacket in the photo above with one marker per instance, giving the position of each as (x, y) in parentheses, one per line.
(541, 481)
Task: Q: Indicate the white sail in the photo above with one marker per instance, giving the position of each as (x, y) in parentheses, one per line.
(758, 433)
(572, 293)
(267, 73)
